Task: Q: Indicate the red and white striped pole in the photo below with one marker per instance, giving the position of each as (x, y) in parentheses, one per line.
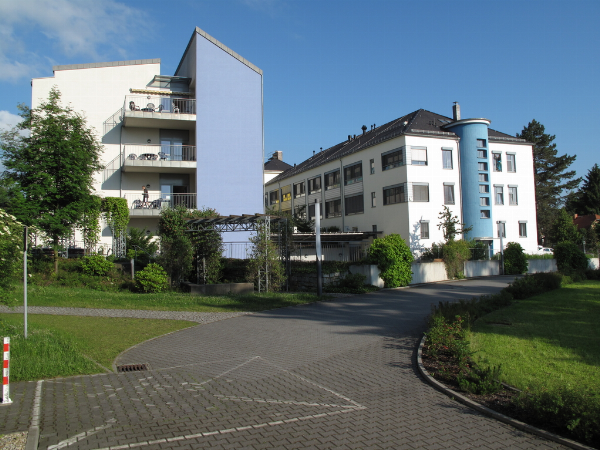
(5, 373)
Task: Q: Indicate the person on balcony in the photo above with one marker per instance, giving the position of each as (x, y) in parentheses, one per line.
(144, 196)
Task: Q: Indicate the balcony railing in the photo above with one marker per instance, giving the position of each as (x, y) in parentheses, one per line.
(159, 104)
(157, 152)
(156, 202)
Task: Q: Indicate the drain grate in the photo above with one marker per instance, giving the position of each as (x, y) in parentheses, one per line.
(132, 367)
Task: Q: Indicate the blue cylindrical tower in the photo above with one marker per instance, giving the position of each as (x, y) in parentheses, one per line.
(475, 176)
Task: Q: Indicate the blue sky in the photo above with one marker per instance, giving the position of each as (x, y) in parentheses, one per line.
(331, 66)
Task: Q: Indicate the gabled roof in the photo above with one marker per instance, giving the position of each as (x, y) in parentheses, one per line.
(586, 221)
(276, 165)
(420, 122)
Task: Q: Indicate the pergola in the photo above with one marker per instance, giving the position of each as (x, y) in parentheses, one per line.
(249, 222)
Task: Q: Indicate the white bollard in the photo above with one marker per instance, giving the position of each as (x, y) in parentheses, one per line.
(5, 373)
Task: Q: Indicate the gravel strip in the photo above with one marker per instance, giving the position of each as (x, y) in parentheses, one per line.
(13, 441)
(199, 317)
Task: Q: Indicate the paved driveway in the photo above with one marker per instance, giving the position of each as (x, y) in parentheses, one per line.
(337, 374)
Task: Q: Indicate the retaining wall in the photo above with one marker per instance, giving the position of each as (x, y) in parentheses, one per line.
(542, 265)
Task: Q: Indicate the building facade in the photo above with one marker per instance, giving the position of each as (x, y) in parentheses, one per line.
(194, 138)
(397, 178)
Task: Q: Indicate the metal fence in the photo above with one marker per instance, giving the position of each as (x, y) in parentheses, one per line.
(429, 254)
(158, 104)
(158, 152)
(160, 201)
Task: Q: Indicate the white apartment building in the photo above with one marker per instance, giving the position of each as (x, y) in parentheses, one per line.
(194, 138)
(396, 178)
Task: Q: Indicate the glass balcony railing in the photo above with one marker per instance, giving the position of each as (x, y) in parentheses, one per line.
(158, 152)
(159, 104)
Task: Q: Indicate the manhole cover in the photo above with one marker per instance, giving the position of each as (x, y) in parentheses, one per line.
(132, 367)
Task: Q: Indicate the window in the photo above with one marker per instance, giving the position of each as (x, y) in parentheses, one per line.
(484, 189)
(482, 153)
(482, 166)
(266, 200)
(274, 197)
(420, 192)
(314, 185)
(285, 197)
(502, 229)
(332, 180)
(483, 177)
(497, 162)
(394, 195)
(418, 156)
(522, 229)
(353, 174)
(512, 195)
(372, 164)
(424, 229)
(299, 190)
(392, 159)
(510, 163)
(448, 194)
(354, 204)
(373, 200)
(484, 201)
(499, 195)
(333, 208)
(311, 211)
(447, 158)
(485, 213)
(481, 143)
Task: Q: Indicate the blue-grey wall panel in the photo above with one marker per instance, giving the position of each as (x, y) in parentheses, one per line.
(229, 132)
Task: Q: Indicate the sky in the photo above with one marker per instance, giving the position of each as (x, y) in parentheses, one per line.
(331, 66)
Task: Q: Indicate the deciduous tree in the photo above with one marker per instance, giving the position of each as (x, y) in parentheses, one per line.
(53, 167)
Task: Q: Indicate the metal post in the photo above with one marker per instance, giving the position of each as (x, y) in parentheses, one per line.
(502, 252)
(25, 281)
(318, 248)
(6, 372)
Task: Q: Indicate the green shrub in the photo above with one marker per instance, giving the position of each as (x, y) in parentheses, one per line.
(479, 250)
(569, 409)
(393, 258)
(534, 284)
(515, 260)
(480, 380)
(96, 265)
(153, 278)
(455, 253)
(472, 309)
(569, 258)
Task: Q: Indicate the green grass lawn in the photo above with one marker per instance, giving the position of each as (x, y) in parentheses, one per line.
(72, 345)
(548, 341)
(168, 301)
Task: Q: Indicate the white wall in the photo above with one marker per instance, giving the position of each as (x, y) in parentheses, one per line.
(525, 210)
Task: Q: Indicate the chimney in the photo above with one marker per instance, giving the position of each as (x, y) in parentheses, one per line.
(456, 111)
(278, 155)
(349, 137)
(364, 128)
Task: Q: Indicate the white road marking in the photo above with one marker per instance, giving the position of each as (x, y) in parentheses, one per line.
(80, 436)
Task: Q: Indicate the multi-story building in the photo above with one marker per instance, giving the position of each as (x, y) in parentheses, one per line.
(397, 178)
(194, 138)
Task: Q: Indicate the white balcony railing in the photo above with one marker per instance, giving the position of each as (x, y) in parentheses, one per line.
(158, 104)
(158, 152)
(154, 202)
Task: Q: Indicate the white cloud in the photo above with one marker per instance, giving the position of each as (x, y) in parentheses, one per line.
(74, 27)
(8, 120)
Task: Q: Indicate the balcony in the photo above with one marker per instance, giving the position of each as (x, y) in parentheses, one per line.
(151, 111)
(158, 158)
(156, 203)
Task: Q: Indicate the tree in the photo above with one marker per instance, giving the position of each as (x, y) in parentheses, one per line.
(551, 177)
(563, 229)
(11, 247)
(450, 225)
(53, 167)
(587, 199)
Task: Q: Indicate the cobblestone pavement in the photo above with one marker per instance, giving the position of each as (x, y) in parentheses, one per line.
(337, 374)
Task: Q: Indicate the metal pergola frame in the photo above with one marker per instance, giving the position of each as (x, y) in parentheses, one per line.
(250, 222)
